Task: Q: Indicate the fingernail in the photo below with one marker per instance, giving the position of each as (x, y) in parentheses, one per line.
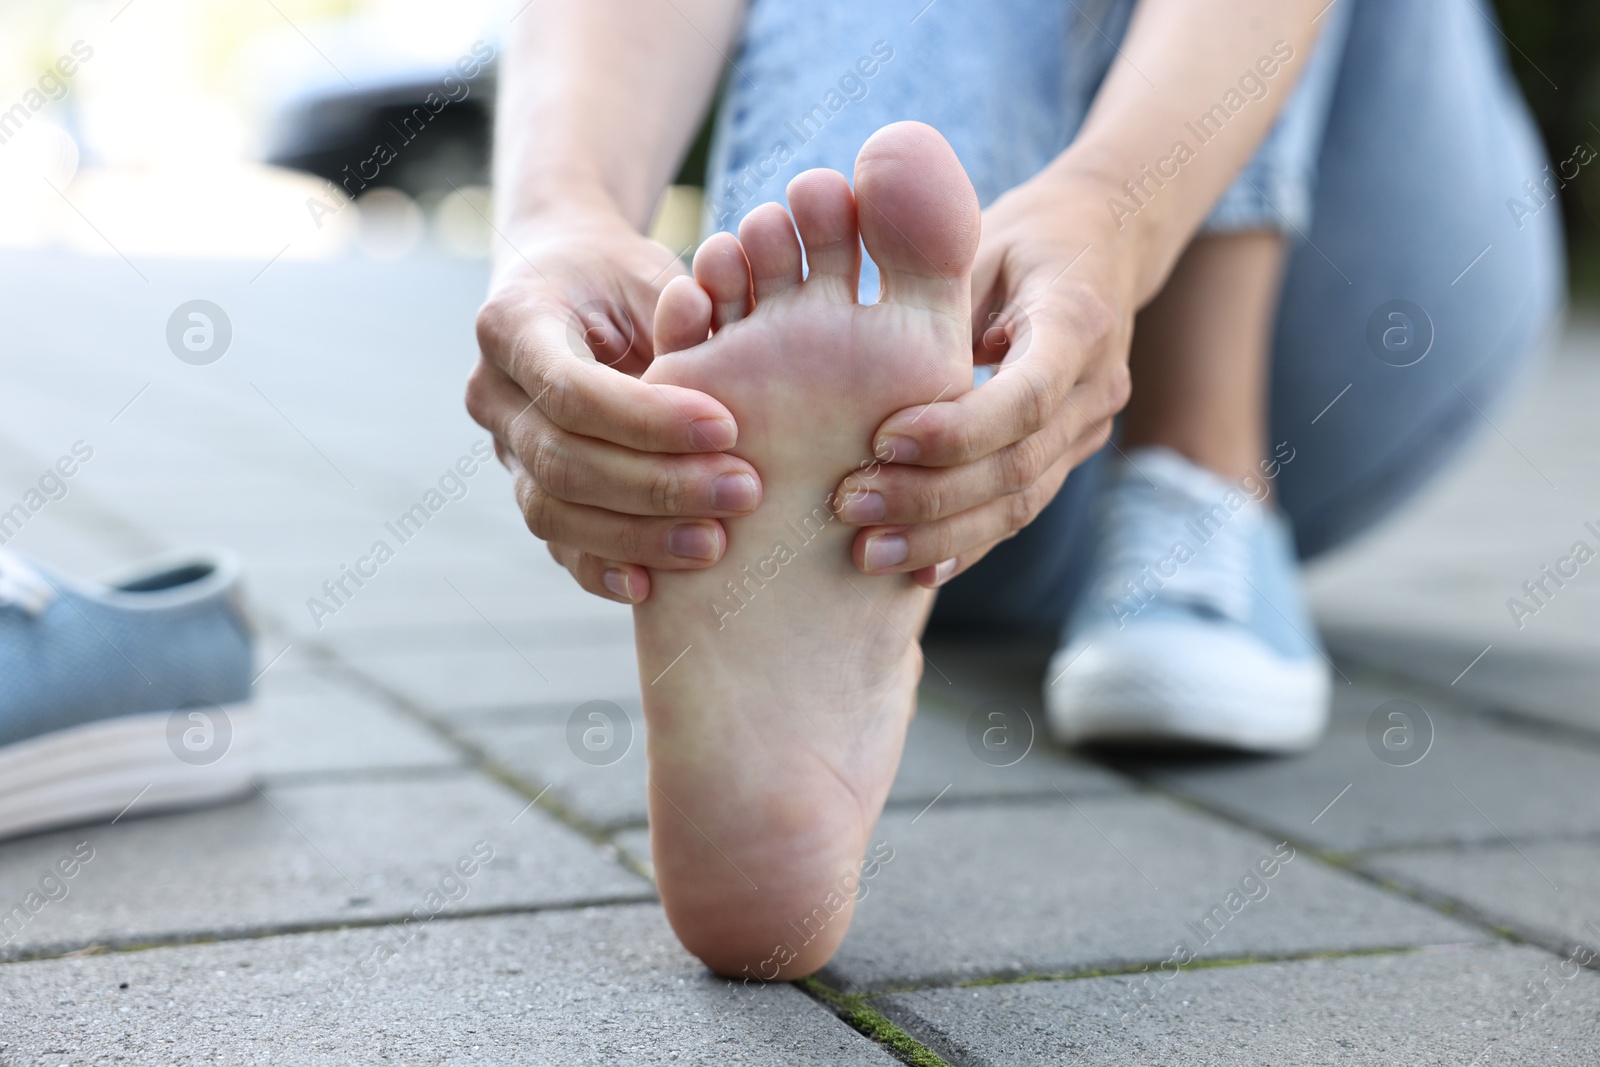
(616, 580)
(886, 550)
(693, 540)
(863, 508)
(715, 434)
(897, 450)
(734, 492)
(942, 572)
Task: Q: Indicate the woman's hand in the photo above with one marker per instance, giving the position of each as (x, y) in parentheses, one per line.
(615, 474)
(1053, 304)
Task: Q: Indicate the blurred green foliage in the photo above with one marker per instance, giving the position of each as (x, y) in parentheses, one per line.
(1555, 51)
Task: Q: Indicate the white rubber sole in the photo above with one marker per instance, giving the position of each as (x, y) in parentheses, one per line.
(100, 770)
(1163, 684)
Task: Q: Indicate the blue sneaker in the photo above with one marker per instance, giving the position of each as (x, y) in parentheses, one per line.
(132, 694)
(1191, 628)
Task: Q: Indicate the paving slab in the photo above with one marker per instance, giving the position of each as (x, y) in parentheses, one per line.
(635, 845)
(971, 669)
(496, 675)
(286, 674)
(1545, 891)
(1554, 680)
(606, 787)
(605, 628)
(301, 855)
(597, 986)
(1477, 780)
(1431, 589)
(980, 725)
(1440, 1008)
(440, 578)
(987, 749)
(331, 729)
(1035, 887)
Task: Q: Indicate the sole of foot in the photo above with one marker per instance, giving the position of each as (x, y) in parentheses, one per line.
(779, 683)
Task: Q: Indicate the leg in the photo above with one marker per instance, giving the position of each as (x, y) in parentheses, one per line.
(1427, 147)
(1199, 356)
(1191, 628)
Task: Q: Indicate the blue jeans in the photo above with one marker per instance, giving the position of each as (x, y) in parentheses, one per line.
(1416, 291)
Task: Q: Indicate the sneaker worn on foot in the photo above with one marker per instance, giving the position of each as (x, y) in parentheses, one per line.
(1191, 628)
(136, 689)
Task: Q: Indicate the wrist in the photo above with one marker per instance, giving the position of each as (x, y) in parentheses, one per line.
(556, 211)
(1132, 230)
(555, 202)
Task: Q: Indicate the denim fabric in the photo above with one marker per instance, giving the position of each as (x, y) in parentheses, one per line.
(812, 81)
(1391, 168)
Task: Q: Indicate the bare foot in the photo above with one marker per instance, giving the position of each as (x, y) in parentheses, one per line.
(779, 683)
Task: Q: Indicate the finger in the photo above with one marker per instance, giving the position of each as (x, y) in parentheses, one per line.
(582, 470)
(621, 582)
(585, 470)
(1087, 444)
(1022, 398)
(942, 573)
(649, 542)
(898, 493)
(533, 344)
(1018, 401)
(899, 549)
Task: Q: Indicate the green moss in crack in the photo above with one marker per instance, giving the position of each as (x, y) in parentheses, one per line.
(869, 1021)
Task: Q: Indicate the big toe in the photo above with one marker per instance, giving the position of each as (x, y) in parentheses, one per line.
(918, 216)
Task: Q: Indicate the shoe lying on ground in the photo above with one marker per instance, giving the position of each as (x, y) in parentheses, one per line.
(133, 690)
(1191, 628)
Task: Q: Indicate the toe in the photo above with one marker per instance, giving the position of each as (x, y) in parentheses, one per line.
(721, 269)
(919, 217)
(772, 249)
(683, 316)
(825, 214)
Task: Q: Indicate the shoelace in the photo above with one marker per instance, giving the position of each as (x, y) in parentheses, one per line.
(1145, 524)
(23, 587)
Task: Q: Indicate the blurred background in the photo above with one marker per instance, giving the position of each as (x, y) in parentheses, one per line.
(201, 129)
(1556, 55)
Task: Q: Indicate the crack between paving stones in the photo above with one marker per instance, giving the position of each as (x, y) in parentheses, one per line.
(932, 983)
(854, 1011)
(1475, 707)
(477, 759)
(997, 800)
(1354, 864)
(1476, 844)
(375, 775)
(857, 1011)
(124, 945)
(1550, 940)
